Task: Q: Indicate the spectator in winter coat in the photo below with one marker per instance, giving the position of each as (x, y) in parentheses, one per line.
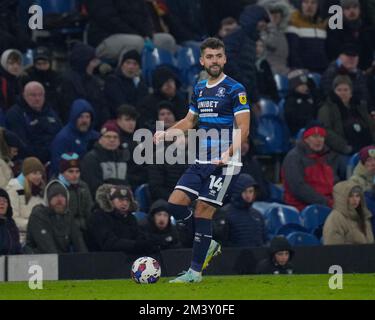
(41, 71)
(300, 104)
(106, 162)
(274, 37)
(265, 78)
(354, 32)
(26, 192)
(81, 83)
(306, 37)
(80, 201)
(227, 26)
(240, 49)
(10, 71)
(166, 87)
(126, 85)
(308, 170)
(159, 228)
(126, 121)
(77, 136)
(349, 222)
(34, 122)
(162, 178)
(51, 228)
(279, 260)
(113, 227)
(10, 145)
(9, 234)
(123, 25)
(347, 64)
(244, 226)
(364, 172)
(349, 125)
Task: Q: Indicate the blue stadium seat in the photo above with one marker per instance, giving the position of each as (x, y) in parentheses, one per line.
(188, 65)
(282, 84)
(276, 193)
(268, 108)
(153, 58)
(290, 228)
(280, 216)
(58, 6)
(352, 163)
(313, 218)
(141, 217)
(282, 106)
(272, 136)
(302, 239)
(142, 196)
(300, 134)
(316, 77)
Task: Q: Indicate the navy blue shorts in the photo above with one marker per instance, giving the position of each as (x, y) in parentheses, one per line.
(208, 182)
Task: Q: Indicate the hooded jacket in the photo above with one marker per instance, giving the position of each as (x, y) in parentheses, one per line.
(10, 86)
(363, 177)
(101, 166)
(119, 89)
(308, 177)
(343, 224)
(240, 49)
(331, 114)
(35, 129)
(275, 39)
(245, 226)
(109, 230)
(167, 238)
(51, 232)
(9, 237)
(70, 139)
(78, 84)
(148, 106)
(269, 265)
(307, 38)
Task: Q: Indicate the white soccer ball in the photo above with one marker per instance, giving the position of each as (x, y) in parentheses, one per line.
(145, 270)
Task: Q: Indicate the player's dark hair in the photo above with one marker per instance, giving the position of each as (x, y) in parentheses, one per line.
(127, 111)
(212, 43)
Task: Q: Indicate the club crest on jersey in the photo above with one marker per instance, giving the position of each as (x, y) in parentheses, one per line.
(242, 97)
(220, 92)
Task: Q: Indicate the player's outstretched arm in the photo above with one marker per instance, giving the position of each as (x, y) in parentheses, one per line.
(182, 126)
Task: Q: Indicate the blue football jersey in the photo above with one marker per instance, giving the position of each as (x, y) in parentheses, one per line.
(216, 107)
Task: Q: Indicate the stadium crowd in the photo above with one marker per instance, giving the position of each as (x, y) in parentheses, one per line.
(68, 179)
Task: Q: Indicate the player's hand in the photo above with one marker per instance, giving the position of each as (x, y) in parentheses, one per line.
(159, 136)
(223, 160)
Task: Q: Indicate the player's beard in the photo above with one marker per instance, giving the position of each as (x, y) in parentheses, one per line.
(214, 74)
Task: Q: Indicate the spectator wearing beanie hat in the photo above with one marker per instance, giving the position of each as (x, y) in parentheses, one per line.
(309, 170)
(364, 172)
(107, 161)
(349, 125)
(80, 201)
(51, 227)
(81, 83)
(9, 233)
(301, 104)
(10, 145)
(166, 87)
(126, 85)
(26, 191)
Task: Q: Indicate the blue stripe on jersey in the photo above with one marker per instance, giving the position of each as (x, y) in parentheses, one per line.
(240, 108)
(220, 120)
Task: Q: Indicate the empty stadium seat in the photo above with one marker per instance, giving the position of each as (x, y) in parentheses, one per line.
(316, 77)
(58, 6)
(313, 218)
(153, 58)
(141, 217)
(280, 216)
(282, 84)
(142, 196)
(188, 65)
(276, 193)
(290, 228)
(352, 163)
(268, 107)
(302, 239)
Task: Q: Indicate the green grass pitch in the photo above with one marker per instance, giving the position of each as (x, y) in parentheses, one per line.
(355, 286)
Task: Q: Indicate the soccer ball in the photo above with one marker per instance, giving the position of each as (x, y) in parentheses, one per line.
(145, 270)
